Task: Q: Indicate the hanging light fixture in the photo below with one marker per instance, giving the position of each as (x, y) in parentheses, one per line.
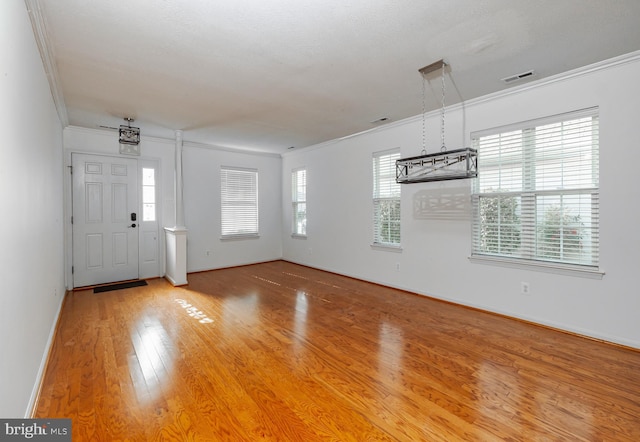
(444, 165)
(129, 138)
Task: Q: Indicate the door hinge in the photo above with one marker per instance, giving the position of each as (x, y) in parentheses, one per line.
(70, 169)
(72, 220)
(72, 269)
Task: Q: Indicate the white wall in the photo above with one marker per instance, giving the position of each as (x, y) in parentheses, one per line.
(31, 256)
(201, 196)
(105, 142)
(201, 178)
(436, 246)
(434, 259)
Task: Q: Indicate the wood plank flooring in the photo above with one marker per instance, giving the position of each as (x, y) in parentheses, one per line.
(281, 352)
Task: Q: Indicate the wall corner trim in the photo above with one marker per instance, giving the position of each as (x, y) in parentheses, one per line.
(48, 59)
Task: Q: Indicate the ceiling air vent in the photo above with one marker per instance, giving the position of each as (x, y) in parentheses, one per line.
(519, 77)
(379, 120)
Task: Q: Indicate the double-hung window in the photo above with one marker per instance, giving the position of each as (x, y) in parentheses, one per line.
(299, 201)
(239, 202)
(536, 197)
(386, 199)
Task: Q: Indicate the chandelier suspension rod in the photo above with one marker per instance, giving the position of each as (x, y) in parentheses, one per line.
(443, 148)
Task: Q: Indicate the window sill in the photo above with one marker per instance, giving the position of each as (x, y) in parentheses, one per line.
(298, 236)
(387, 248)
(558, 269)
(239, 237)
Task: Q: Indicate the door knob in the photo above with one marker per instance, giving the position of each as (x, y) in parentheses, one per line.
(133, 225)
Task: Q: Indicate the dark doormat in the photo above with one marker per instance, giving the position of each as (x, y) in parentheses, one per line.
(120, 286)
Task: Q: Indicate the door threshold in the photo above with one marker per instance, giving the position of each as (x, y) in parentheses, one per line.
(107, 284)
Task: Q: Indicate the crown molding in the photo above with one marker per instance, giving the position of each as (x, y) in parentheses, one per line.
(558, 78)
(169, 141)
(247, 151)
(514, 90)
(39, 26)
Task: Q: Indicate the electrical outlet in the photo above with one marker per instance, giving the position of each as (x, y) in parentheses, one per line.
(525, 289)
(208, 252)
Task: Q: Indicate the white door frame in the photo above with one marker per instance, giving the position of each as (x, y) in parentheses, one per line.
(154, 271)
(150, 238)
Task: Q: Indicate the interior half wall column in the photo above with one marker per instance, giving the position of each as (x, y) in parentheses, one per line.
(179, 203)
(176, 237)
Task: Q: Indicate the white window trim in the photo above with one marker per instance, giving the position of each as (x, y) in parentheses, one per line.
(540, 266)
(592, 272)
(242, 236)
(573, 115)
(386, 247)
(239, 236)
(294, 204)
(391, 247)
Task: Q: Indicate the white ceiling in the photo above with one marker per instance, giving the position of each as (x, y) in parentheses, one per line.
(269, 74)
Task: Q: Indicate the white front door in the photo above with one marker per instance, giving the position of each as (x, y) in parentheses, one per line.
(105, 219)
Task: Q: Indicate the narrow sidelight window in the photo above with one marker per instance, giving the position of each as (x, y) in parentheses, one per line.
(148, 194)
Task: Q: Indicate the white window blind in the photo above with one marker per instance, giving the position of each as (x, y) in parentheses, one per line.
(386, 199)
(299, 201)
(537, 192)
(239, 202)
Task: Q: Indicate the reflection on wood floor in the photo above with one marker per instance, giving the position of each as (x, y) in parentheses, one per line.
(282, 352)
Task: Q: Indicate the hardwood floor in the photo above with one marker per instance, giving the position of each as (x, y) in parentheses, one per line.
(282, 352)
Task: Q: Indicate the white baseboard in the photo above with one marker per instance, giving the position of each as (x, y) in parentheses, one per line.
(577, 331)
(43, 363)
(174, 282)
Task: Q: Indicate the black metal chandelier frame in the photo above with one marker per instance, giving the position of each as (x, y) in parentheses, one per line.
(444, 165)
